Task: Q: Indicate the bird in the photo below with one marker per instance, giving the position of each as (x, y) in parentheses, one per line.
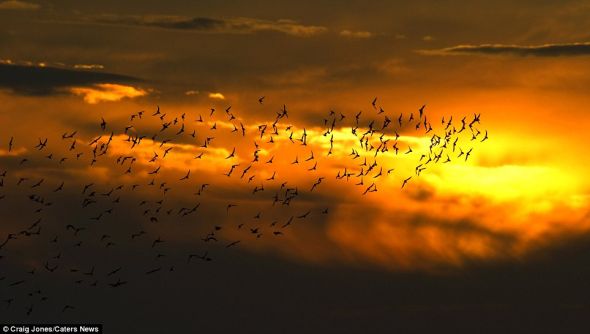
(421, 110)
(153, 270)
(232, 244)
(161, 148)
(118, 283)
(42, 144)
(232, 154)
(186, 176)
(406, 181)
(485, 137)
(67, 307)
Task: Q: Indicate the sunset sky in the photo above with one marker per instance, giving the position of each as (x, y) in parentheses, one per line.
(500, 238)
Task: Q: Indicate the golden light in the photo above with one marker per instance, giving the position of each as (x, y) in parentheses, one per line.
(107, 92)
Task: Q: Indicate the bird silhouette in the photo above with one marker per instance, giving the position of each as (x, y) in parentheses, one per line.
(165, 170)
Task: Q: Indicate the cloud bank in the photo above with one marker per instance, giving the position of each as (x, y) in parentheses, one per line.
(240, 25)
(545, 50)
(45, 80)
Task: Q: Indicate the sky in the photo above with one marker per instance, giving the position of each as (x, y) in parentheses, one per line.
(285, 224)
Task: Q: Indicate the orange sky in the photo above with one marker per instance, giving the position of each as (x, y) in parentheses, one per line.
(522, 190)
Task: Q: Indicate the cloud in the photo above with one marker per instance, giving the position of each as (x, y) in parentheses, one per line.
(47, 80)
(216, 96)
(18, 5)
(191, 92)
(240, 25)
(545, 50)
(13, 153)
(89, 66)
(356, 34)
(299, 76)
(453, 215)
(392, 66)
(107, 92)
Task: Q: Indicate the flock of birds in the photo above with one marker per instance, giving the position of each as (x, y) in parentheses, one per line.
(142, 190)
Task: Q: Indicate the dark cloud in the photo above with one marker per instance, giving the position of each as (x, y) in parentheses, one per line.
(239, 25)
(545, 50)
(40, 80)
(167, 22)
